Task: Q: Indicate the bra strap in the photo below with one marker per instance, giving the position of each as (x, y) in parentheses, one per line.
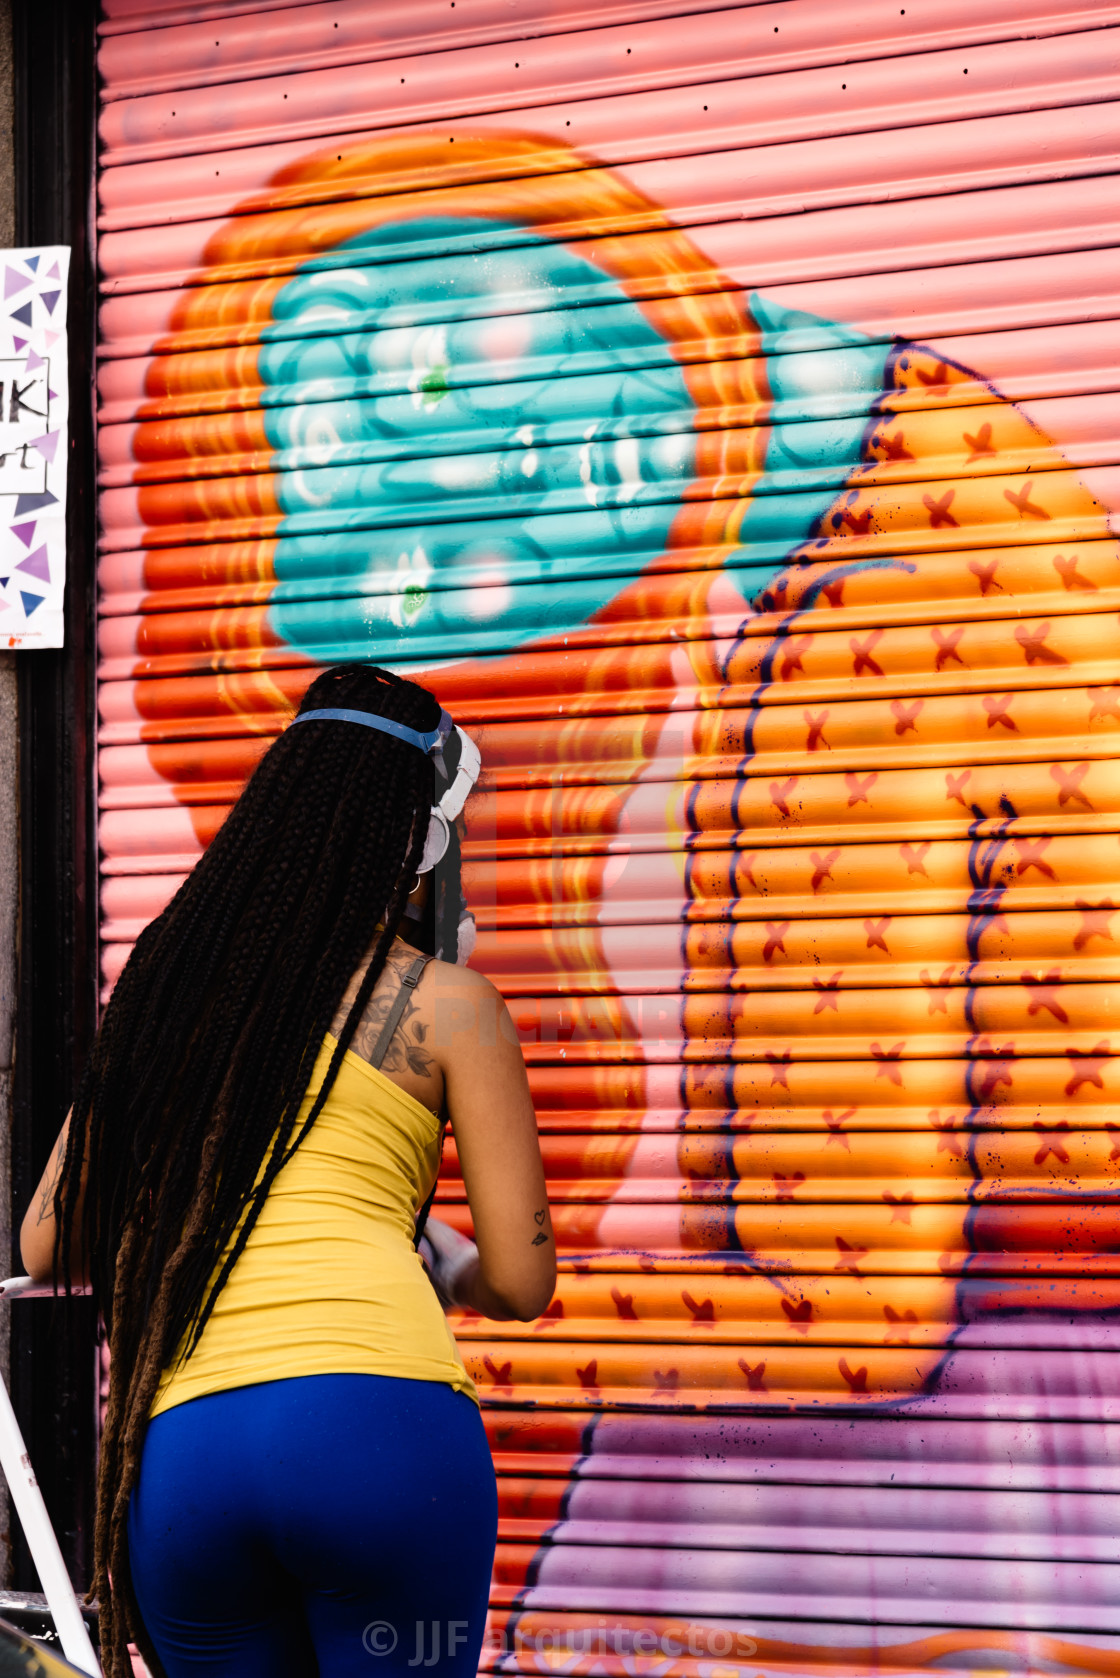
(400, 1002)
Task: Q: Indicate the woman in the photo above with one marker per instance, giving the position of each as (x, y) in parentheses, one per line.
(294, 1474)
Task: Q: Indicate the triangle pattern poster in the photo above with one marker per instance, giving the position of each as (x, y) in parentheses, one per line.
(33, 445)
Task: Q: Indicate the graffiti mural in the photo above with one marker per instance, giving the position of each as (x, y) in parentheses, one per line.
(789, 642)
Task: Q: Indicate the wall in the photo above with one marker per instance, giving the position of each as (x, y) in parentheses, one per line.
(9, 812)
(719, 406)
(52, 1362)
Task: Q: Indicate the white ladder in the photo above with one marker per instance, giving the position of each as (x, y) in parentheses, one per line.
(28, 1499)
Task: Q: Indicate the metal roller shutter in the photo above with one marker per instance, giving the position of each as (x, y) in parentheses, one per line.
(720, 405)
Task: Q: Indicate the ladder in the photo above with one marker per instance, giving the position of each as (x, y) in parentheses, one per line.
(32, 1511)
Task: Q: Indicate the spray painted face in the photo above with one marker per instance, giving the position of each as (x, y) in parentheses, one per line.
(477, 428)
(460, 465)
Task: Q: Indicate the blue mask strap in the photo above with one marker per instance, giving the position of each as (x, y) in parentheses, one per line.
(431, 743)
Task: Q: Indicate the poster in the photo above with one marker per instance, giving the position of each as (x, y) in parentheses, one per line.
(33, 438)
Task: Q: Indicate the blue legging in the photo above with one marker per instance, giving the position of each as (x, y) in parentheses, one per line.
(338, 1524)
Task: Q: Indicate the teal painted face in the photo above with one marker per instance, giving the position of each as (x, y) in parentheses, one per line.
(478, 447)
(479, 478)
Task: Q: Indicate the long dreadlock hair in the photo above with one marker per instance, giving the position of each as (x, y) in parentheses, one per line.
(186, 1109)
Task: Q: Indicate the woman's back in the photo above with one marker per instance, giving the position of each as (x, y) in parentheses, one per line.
(329, 1281)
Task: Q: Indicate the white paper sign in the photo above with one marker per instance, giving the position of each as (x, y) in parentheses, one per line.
(33, 445)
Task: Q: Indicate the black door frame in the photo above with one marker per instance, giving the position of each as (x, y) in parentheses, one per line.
(53, 1346)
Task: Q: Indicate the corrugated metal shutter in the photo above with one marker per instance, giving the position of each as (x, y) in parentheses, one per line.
(721, 404)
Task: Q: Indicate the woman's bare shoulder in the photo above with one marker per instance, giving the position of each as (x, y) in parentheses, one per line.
(447, 983)
(452, 980)
(463, 1010)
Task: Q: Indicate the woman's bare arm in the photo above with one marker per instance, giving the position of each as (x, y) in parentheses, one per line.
(37, 1233)
(491, 1112)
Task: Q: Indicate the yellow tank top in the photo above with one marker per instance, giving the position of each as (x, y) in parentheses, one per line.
(329, 1282)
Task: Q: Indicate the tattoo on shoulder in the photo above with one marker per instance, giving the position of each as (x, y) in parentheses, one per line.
(408, 1049)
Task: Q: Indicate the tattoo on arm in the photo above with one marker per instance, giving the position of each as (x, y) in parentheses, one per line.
(540, 1237)
(49, 1184)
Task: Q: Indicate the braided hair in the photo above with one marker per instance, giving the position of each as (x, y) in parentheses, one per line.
(187, 1108)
